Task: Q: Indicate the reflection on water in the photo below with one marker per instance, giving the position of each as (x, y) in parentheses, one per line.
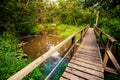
(38, 45)
(54, 59)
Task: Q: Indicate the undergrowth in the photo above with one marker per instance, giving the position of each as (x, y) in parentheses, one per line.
(110, 76)
(9, 62)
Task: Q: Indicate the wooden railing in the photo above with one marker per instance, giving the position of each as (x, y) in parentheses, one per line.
(108, 43)
(26, 70)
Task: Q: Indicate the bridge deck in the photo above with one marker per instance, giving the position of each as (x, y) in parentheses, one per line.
(85, 63)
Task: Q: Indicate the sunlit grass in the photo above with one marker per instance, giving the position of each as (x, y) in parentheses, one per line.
(65, 31)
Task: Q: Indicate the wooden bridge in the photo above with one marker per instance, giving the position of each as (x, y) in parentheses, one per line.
(86, 62)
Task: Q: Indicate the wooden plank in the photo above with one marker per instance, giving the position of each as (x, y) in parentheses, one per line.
(86, 53)
(86, 56)
(111, 70)
(88, 59)
(62, 78)
(82, 74)
(88, 62)
(93, 53)
(86, 70)
(71, 76)
(85, 48)
(87, 65)
(105, 60)
(117, 66)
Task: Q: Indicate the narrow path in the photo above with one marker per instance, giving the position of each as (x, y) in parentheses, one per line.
(85, 63)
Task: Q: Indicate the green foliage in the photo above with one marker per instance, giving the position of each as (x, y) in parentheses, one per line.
(110, 23)
(110, 76)
(37, 29)
(65, 30)
(9, 63)
(37, 74)
(18, 17)
(69, 12)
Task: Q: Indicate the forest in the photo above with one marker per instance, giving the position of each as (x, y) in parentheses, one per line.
(19, 18)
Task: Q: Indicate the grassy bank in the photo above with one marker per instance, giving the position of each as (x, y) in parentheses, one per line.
(12, 59)
(61, 30)
(65, 31)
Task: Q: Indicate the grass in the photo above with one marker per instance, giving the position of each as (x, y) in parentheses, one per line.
(65, 30)
(37, 29)
(62, 30)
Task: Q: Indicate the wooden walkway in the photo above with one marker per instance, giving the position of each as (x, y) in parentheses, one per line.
(86, 62)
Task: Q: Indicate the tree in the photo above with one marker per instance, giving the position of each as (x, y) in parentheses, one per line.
(17, 16)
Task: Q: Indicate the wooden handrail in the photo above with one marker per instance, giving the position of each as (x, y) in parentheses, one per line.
(117, 66)
(30, 67)
(108, 36)
(108, 53)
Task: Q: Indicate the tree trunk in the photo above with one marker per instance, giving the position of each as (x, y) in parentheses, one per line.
(97, 17)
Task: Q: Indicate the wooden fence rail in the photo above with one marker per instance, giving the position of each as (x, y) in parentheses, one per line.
(29, 68)
(108, 53)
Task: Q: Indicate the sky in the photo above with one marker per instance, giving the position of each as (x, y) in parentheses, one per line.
(50, 1)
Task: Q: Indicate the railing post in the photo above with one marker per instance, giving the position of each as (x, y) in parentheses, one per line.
(100, 40)
(72, 43)
(84, 32)
(81, 36)
(108, 46)
(105, 56)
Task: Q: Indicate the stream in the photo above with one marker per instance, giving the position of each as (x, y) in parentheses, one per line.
(37, 46)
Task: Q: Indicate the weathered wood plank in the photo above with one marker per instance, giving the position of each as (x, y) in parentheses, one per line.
(87, 53)
(117, 66)
(88, 62)
(88, 59)
(62, 78)
(110, 70)
(87, 65)
(86, 70)
(88, 48)
(86, 56)
(105, 59)
(71, 76)
(82, 74)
